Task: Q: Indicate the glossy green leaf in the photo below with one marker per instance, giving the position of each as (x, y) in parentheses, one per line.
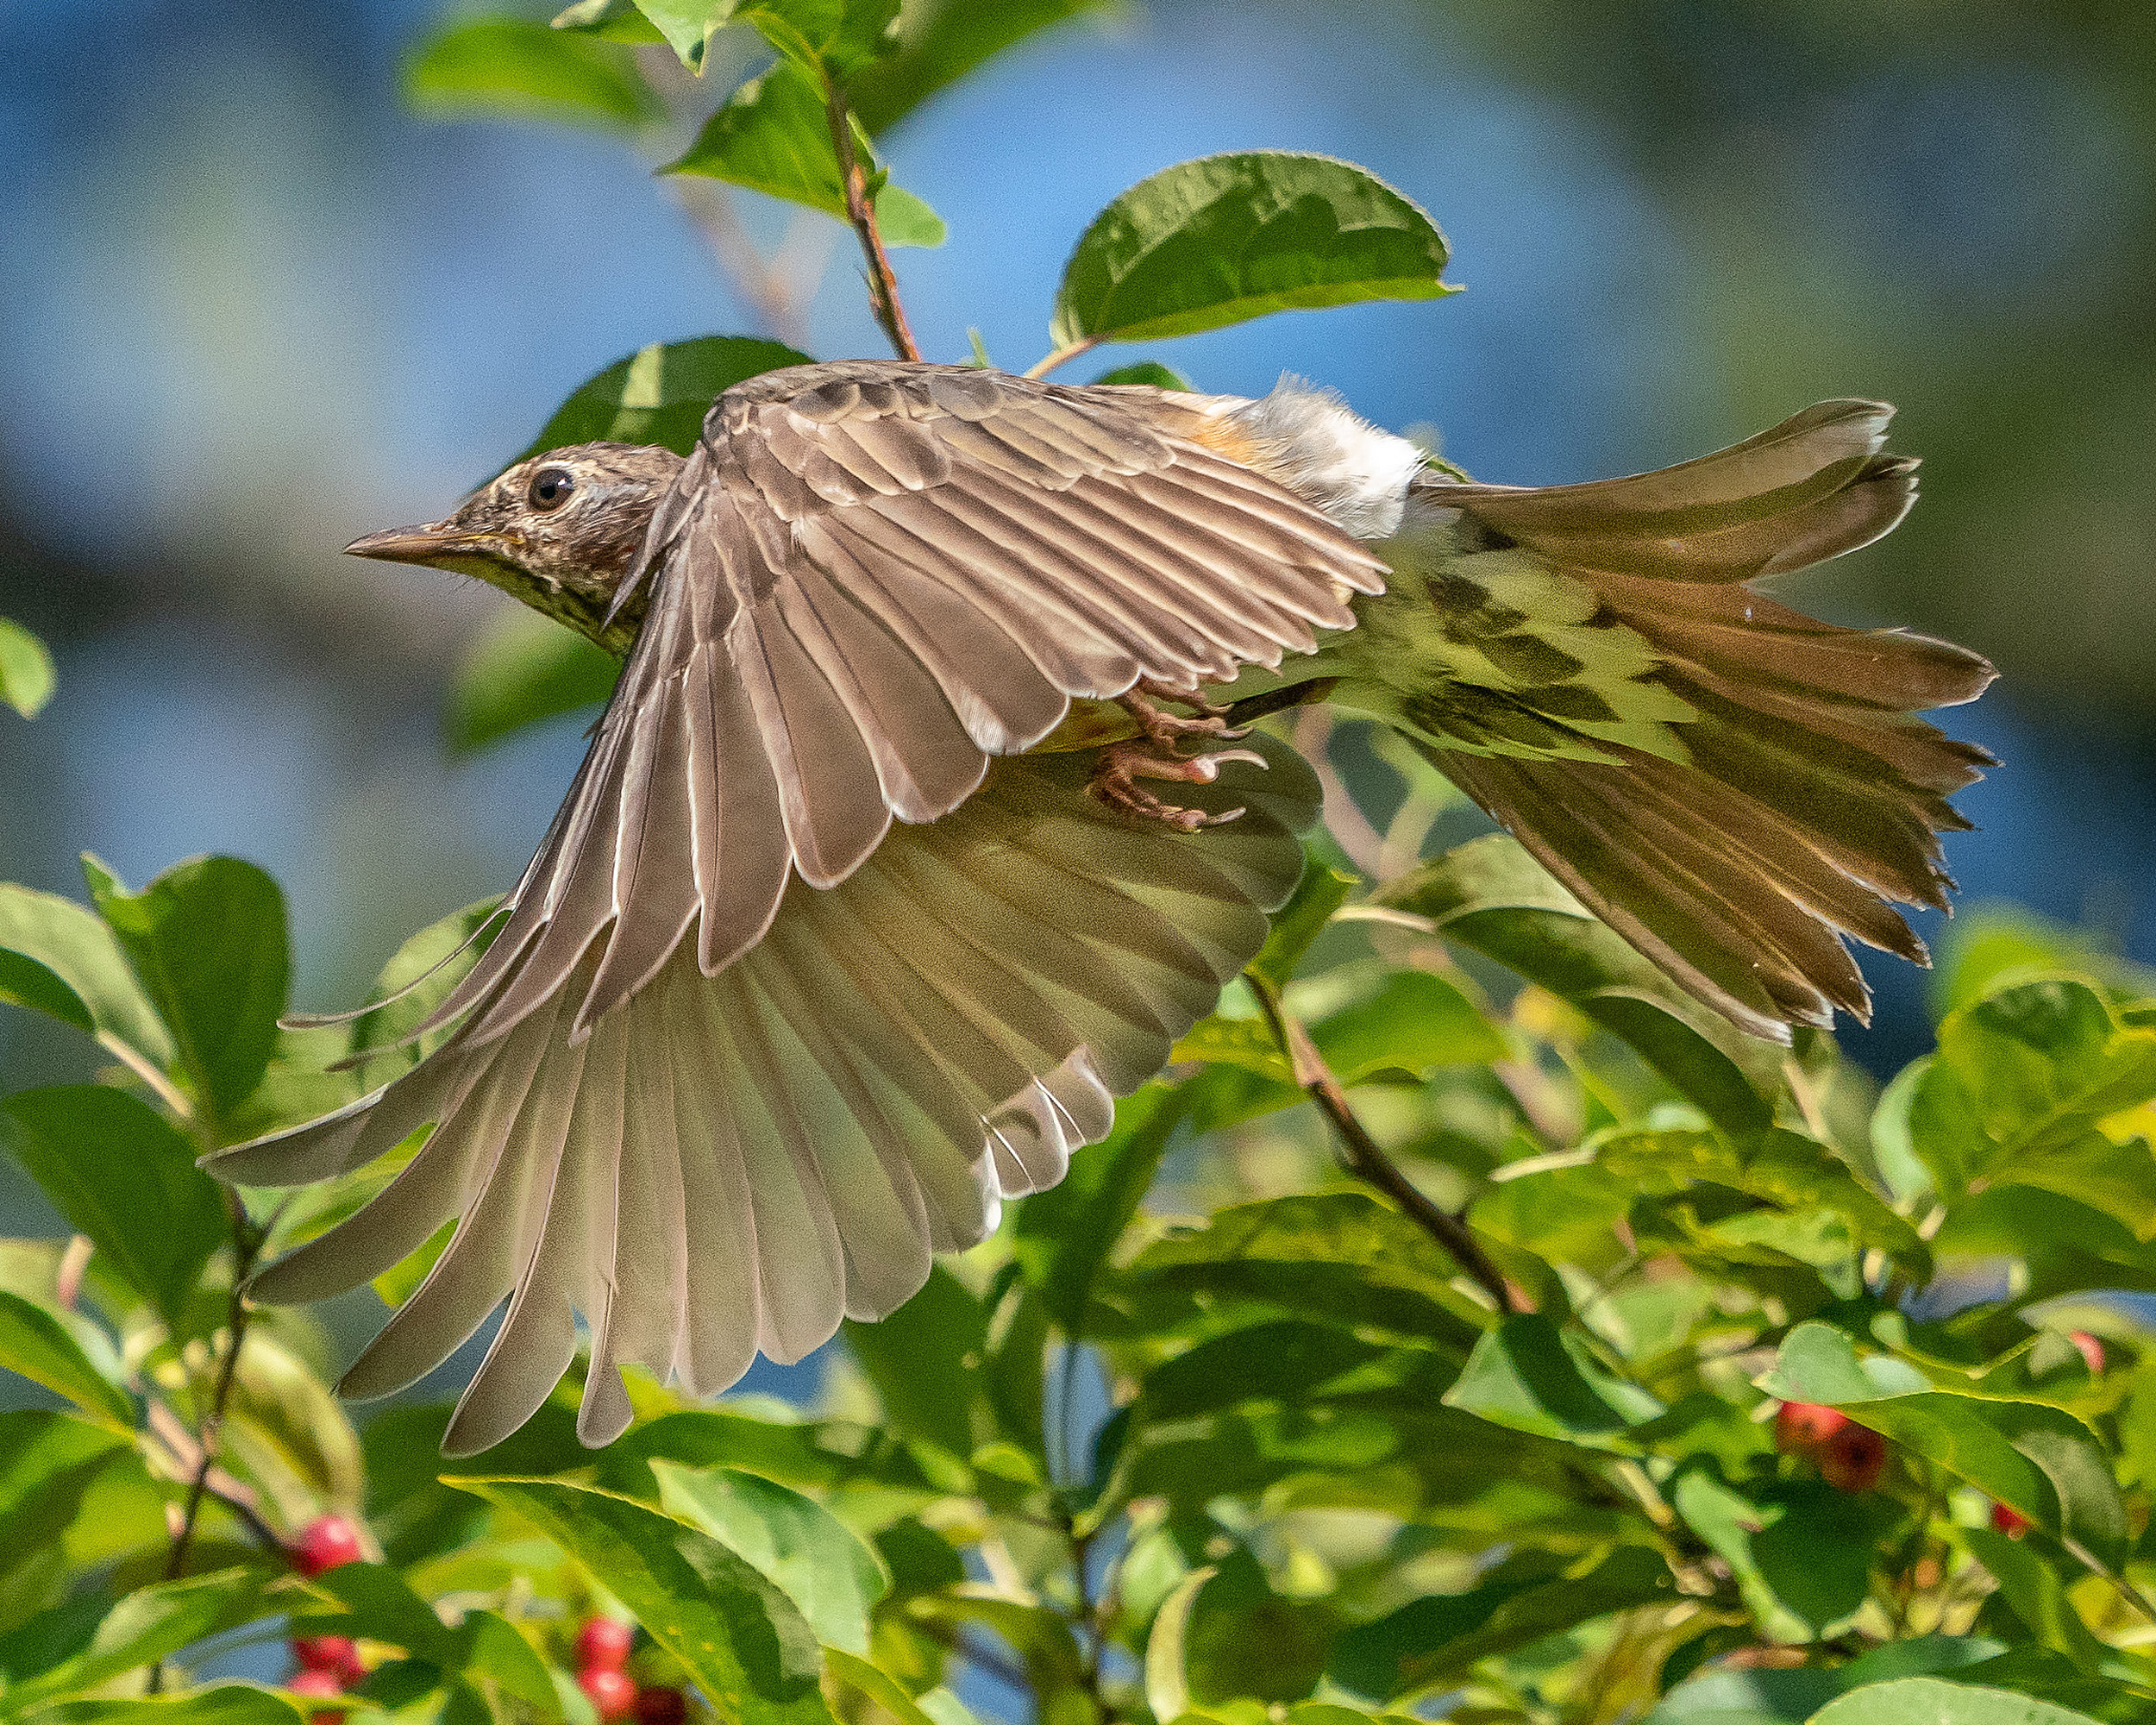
(1433, 1639)
(659, 393)
(1228, 237)
(78, 948)
(742, 1639)
(1344, 1255)
(206, 939)
(523, 669)
(828, 39)
(820, 1563)
(939, 41)
(1927, 1701)
(2036, 1459)
(151, 1623)
(686, 25)
(1530, 1376)
(25, 669)
(33, 1345)
(1297, 924)
(850, 1672)
(510, 66)
(125, 1179)
(610, 21)
(1490, 895)
(1413, 1022)
(772, 136)
(374, 1601)
(1802, 1552)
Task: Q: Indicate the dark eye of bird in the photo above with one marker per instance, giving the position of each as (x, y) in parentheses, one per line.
(550, 487)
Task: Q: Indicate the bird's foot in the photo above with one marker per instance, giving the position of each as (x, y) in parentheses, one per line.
(1120, 765)
(1167, 729)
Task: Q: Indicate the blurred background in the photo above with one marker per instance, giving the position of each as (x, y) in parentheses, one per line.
(254, 306)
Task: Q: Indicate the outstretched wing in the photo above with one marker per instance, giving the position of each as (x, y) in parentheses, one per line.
(867, 580)
(734, 1163)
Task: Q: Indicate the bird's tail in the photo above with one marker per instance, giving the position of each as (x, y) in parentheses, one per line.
(1730, 785)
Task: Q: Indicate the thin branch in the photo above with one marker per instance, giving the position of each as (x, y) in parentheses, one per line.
(144, 1069)
(861, 210)
(1085, 344)
(247, 1244)
(1360, 1153)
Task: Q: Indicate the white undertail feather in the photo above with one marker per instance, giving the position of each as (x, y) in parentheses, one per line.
(1310, 441)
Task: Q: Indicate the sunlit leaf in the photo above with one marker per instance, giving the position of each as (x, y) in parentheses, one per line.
(1228, 237)
(33, 1345)
(2035, 1592)
(150, 1624)
(742, 1639)
(25, 982)
(793, 1540)
(659, 393)
(225, 1704)
(206, 939)
(1296, 924)
(25, 669)
(1927, 1701)
(125, 1178)
(81, 952)
(1530, 1376)
(772, 136)
(1802, 1552)
(511, 65)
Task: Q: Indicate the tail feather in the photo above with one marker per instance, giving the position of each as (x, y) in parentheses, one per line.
(1798, 798)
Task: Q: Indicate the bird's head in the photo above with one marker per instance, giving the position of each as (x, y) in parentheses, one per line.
(561, 531)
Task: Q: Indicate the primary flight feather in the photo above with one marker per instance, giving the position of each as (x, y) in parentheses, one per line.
(850, 928)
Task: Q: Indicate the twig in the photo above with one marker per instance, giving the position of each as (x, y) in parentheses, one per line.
(1360, 1153)
(246, 1246)
(1346, 822)
(861, 210)
(1085, 344)
(759, 281)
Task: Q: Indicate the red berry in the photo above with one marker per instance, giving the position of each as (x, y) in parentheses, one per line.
(1853, 1459)
(1801, 1427)
(326, 1542)
(334, 1654)
(2091, 1350)
(2011, 1522)
(603, 1643)
(316, 1683)
(661, 1706)
(613, 1692)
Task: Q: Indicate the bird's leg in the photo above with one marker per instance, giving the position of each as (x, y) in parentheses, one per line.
(1154, 754)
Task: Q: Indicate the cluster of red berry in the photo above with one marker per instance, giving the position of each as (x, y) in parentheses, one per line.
(328, 1665)
(1849, 1456)
(602, 1649)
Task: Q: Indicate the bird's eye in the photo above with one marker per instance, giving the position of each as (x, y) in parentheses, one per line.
(550, 487)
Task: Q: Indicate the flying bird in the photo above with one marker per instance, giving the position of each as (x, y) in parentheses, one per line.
(864, 907)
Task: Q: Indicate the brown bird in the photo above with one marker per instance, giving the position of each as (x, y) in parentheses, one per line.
(744, 1052)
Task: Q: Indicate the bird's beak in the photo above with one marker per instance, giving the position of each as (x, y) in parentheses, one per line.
(423, 545)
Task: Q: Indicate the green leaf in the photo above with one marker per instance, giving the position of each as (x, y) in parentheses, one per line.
(1927, 1701)
(1802, 1552)
(1063, 1237)
(226, 1703)
(819, 1562)
(1340, 1255)
(25, 982)
(33, 1345)
(151, 1623)
(742, 1639)
(772, 135)
(1490, 895)
(686, 25)
(1414, 1023)
(287, 1433)
(2035, 1592)
(1296, 924)
(852, 1672)
(611, 21)
(1528, 1375)
(48, 1461)
(375, 1601)
(1439, 1637)
(1240, 1638)
(827, 39)
(1149, 372)
(941, 40)
(78, 948)
(1228, 237)
(127, 1180)
(25, 669)
(2034, 1458)
(660, 393)
(510, 66)
(925, 1361)
(520, 669)
(206, 939)
(2019, 1091)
